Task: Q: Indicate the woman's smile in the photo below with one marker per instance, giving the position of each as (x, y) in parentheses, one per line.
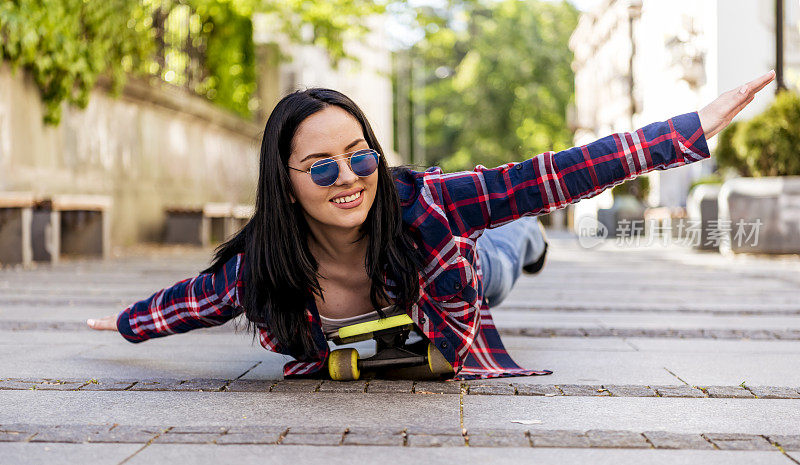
(348, 201)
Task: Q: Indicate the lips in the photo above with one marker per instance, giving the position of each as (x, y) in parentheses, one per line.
(345, 194)
(354, 200)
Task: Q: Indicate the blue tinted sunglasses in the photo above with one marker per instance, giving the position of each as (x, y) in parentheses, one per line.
(325, 172)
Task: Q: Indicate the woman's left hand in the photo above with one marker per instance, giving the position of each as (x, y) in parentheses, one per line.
(718, 114)
(107, 323)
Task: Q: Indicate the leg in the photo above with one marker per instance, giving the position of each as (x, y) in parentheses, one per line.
(504, 251)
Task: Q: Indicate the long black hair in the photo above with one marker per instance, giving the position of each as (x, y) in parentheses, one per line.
(280, 273)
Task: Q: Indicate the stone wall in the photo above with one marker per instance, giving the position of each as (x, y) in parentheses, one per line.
(151, 147)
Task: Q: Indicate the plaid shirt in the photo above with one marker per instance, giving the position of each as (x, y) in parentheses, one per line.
(448, 212)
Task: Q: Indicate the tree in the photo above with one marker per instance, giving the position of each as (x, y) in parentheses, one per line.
(498, 81)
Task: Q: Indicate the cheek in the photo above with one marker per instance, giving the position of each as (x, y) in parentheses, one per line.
(307, 193)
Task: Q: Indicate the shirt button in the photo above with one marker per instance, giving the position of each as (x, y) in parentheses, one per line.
(519, 166)
(444, 344)
(458, 286)
(422, 320)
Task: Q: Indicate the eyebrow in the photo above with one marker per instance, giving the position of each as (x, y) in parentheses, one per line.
(326, 154)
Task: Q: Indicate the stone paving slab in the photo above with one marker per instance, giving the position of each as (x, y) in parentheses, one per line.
(751, 416)
(668, 440)
(509, 318)
(776, 369)
(711, 346)
(435, 440)
(252, 435)
(567, 343)
(630, 390)
(387, 386)
(584, 367)
(696, 368)
(655, 333)
(498, 438)
(88, 338)
(213, 455)
(229, 408)
(728, 391)
(96, 454)
(678, 391)
(768, 392)
(500, 386)
(360, 436)
(413, 436)
(289, 385)
(162, 367)
(739, 441)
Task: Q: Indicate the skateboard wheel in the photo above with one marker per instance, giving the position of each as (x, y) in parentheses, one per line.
(343, 365)
(436, 361)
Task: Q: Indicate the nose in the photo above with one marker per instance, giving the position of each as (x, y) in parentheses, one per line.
(346, 175)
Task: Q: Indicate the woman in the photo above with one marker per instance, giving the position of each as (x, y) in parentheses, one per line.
(336, 236)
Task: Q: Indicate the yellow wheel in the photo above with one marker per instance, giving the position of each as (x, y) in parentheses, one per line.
(436, 361)
(343, 365)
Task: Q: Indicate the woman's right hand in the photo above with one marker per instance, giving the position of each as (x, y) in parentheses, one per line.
(107, 323)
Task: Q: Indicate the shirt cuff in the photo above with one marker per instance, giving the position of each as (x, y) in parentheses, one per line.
(691, 134)
(124, 326)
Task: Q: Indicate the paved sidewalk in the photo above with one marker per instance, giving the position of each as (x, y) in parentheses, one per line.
(660, 355)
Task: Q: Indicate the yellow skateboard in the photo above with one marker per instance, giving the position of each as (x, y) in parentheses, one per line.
(390, 334)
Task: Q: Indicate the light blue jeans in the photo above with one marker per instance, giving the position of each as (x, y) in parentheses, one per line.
(503, 251)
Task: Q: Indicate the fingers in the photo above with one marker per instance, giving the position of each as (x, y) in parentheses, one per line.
(106, 323)
(757, 84)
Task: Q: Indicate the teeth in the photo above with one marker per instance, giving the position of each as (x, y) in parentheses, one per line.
(348, 198)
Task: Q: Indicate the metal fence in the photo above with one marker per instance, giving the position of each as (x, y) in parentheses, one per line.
(180, 56)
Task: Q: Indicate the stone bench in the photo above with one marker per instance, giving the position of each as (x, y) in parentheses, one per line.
(205, 225)
(16, 213)
(67, 224)
(624, 218)
(241, 215)
(703, 210)
(762, 215)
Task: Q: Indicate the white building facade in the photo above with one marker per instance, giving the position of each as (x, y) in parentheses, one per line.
(640, 61)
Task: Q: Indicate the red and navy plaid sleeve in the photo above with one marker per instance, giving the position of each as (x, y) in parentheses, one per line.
(209, 299)
(486, 198)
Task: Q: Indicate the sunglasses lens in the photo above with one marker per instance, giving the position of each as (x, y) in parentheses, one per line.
(364, 162)
(325, 172)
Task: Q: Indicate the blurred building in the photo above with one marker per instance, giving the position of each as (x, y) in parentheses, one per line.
(366, 80)
(640, 61)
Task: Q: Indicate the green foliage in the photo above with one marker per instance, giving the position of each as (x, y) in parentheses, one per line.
(727, 157)
(230, 59)
(766, 145)
(497, 89)
(67, 44)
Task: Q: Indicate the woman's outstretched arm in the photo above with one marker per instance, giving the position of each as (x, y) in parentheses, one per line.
(471, 201)
(208, 299)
